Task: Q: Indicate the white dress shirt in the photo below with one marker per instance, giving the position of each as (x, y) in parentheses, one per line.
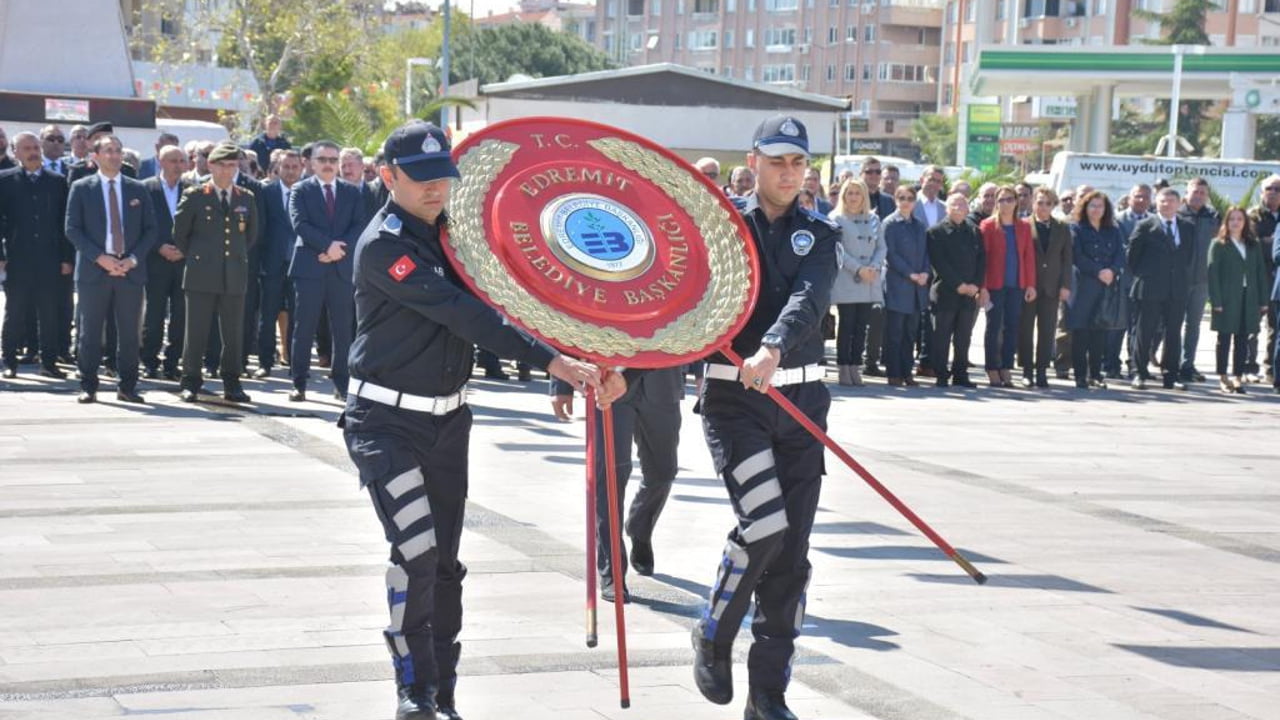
(171, 195)
(114, 246)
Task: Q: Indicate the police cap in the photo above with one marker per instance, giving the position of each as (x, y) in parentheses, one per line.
(99, 128)
(781, 135)
(421, 151)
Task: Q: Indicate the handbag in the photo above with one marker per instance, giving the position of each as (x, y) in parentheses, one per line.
(1112, 312)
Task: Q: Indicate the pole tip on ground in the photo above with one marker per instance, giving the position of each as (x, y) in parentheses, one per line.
(980, 579)
(626, 703)
(592, 641)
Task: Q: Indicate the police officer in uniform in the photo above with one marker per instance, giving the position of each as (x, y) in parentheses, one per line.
(649, 414)
(214, 227)
(406, 422)
(770, 464)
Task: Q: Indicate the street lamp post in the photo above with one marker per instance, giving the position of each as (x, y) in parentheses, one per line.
(444, 67)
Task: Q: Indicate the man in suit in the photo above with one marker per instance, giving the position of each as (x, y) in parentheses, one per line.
(277, 239)
(1127, 220)
(327, 215)
(89, 165)
(113, 227)
(1161, 258)
(882, 204)
(1206, 222)
(53, 147)
(165, 300)
(649, 414)
(249, 342)
(6, 162)
(150, 167)
(930, 207)
(959, 263)
(214, 227)
(34, 253)
(1266, 221)
(1052, 241)
(351, 169)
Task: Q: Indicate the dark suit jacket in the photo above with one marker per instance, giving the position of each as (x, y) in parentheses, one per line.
(87, 227)
(882, 204)
(277, 236)
(33, 238)
(216, 243)
(148, 168)
(958, 257)
(315, 230)
(1053, 268)
(1161, 272)
(82, 170)
(164, 221)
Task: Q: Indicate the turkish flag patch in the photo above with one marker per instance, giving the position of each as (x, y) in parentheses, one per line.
(401, 268)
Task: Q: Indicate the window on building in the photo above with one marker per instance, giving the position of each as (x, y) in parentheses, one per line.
(730, 6)
(946, 94)
(1248, 7)
(635, 41)
(706, 6)
(851, 33)
(999, 10)
(808, 35)
(750, 39)
(728, 39)
(831, 73)
(779, 38)
(869, 33)
(867, 71)
(610, 10)
(833, 34)
(888, 126)
(702, 40)
(778, 73)
(590, 34)
(655, 7)
(1269, 41)
(608, 42)
(751, 5)
(951, 13)
(850, 72)
(804, 72)
(781, 5)
(966, 52)
(726, 71)
(833, 3)
(675, 42)
(635, 7)
(948, 53)
(970, 11)
(168, 26)
(749, 73)
(1100, 7)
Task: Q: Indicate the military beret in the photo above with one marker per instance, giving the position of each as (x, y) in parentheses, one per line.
(225, 151)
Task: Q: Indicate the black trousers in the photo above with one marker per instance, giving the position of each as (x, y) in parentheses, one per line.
(311, 295)
(276, 296)
(1159, 322)
(953, 329)
(123, 300)
(851, 332)
(875, 335)
(1062, 356)
(772, 468)
(654, 424)
(202, 309)
(1035, 335)
(165, 301)
(249, 323)
(1238, 336)
(415, 468)
(24, 297)
(1087, 347)
(66, 314)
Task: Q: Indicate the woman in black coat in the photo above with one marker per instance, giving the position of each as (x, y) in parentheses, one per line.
(1097, 256)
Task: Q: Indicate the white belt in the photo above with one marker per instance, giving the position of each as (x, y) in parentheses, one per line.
(782, 376)
(420, 403)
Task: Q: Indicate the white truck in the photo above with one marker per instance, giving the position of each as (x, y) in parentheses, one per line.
(1116, 174)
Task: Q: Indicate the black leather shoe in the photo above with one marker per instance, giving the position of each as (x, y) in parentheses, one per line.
(712, 669)
(872, 371)
(767, 705)
(53, 372)
(963, 382)
(297, 395)
(236, 395)
(524, 374)
(87, 397)
(262, 373)
(172, 375)
(608, 595)
(496, 374)
(129, 396)
(151, 374)
(942, 382)
(1042, 379)
(10, 373)
(339, 395)
(188, 395)
(415, 704)
(642, 556)
(446, 708)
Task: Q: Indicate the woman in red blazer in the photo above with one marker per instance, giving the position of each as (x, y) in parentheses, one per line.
(1010, 282)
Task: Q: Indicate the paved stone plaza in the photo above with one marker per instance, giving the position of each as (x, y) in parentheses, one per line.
(172, 561)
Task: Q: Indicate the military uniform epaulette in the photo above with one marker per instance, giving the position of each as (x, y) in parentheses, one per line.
(815, 215)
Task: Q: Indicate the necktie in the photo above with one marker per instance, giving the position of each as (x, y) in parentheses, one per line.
(226, 205)
(330, 203)
(116, 244)
(1168, 228)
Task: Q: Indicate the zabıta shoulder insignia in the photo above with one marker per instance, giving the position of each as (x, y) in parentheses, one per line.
(739, 202)
(814, 215)
(391, 224)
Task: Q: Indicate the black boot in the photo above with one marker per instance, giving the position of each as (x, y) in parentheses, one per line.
(416, 703)
(1042, 378)
(642, 556)
(445, 707)
(712, 669)
(767, 705)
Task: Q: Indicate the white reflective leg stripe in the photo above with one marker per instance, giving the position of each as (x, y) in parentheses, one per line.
(764, 527)
(404, 482)
(753, 466)
(397, 584)
(728, 577)
(424, 541)
(412, 513)
(804, 595)
(402, 647)
(767, 491)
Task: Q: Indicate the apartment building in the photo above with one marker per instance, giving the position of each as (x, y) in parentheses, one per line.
(1085, 23)
(882, 55)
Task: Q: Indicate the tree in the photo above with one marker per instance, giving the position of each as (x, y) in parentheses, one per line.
(936, 137)
(495, 54)
(1184, 24)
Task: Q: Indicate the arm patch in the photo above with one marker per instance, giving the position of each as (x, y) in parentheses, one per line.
(401, 268)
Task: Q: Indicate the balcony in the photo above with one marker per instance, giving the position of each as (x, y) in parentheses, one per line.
(912, 92)
(914, 13)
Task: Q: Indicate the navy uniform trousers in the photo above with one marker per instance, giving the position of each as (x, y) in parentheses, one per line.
(772, 468)
(649, 412)
(415, 467)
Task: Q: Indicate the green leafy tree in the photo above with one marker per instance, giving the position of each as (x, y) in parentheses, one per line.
(936, 137)
(1184, 24)
(495, 54)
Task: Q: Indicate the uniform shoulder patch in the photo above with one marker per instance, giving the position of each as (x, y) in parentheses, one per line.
(391, 224)
(819, 217)
(401, 268)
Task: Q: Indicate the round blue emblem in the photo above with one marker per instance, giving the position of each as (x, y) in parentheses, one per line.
(597, 236)
(599, 233)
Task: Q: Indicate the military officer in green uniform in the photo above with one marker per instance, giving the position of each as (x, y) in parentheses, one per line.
(214, 228)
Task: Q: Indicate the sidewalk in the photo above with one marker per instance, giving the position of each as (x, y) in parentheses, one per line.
(177, 561)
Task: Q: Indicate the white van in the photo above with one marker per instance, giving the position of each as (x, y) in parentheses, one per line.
(1116, 174)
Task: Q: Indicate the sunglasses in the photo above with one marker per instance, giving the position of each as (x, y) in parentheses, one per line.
(1007, 200)
(55, 138)
(325, 160)
(905, 198)
(871, 172)
(1046, 203)
(1273, 188)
